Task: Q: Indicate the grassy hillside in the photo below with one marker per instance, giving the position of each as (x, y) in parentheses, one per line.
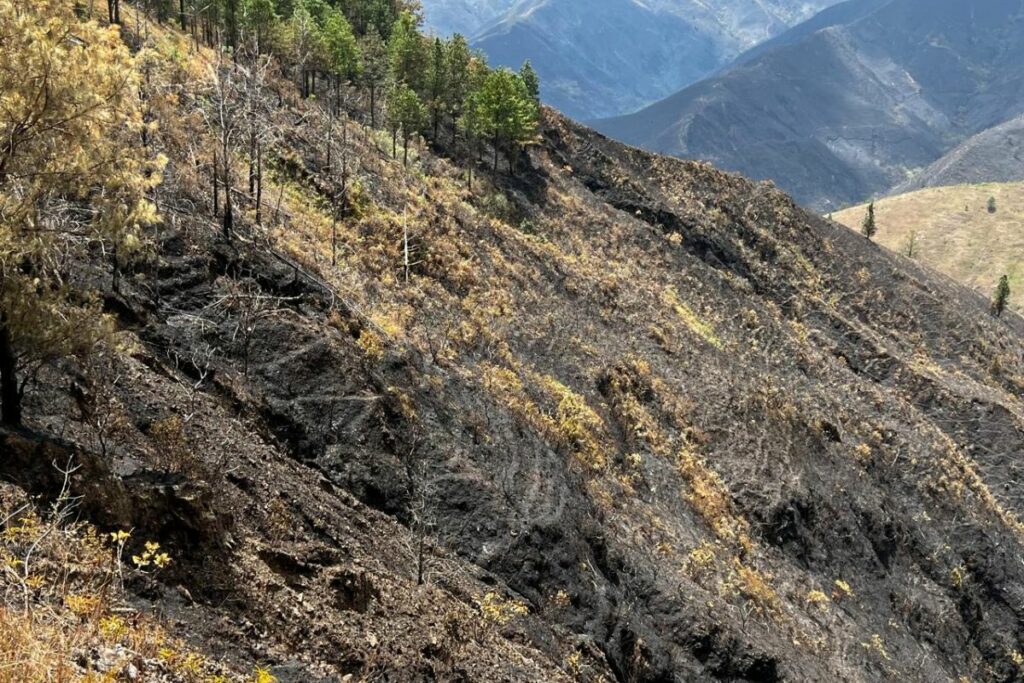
(614, 417)
(952, 230)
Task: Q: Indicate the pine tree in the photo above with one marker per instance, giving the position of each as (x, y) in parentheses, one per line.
(531, 80)
(407, 56)
(231, 23)
(1001, 297)
(869, 227)
(70, 129)
(305, 47)
(374, 67)
(258, 17)
(436, 85)
(365, 14)
(458, 58)
(509, 113)
(342, 52)
(407, 114)
(473, 124)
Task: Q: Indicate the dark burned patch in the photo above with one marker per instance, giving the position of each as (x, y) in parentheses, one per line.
(790, 525)
(729, 659)
(288, 567)
(353, 591)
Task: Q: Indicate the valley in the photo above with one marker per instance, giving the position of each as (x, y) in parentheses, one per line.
(849, 105)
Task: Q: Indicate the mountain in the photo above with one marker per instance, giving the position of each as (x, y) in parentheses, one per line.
(851, 104)
(952, 230)
(607, 57)
(994, 155)
(467, 17)
(613, 416)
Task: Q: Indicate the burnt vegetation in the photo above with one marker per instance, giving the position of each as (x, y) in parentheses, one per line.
(396, 410)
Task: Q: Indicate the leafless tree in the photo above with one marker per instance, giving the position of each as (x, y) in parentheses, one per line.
(257, 70)
(225, 115)
(250, 307)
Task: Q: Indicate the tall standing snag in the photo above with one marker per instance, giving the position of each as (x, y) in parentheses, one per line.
(225, 115)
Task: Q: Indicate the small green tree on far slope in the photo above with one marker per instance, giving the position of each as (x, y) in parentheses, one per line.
(531, 80)
(1002, 296)
(869, 227)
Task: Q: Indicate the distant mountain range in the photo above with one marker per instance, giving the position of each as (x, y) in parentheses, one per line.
(994, 155)
(855, 101)
(602, 58)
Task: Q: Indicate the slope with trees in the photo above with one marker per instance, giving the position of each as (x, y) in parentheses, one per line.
(611, 416)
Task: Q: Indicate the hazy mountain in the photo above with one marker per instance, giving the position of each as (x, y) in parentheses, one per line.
(608, 57)
(854, 102)
(994, 155)
(467, 17)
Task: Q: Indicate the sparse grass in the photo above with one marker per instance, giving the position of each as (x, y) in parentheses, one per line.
(841, 590)
(63, 613)
(696, 324)
(710, 498)
(554, 410)
(954, 232)
(496, 609)
(701, 560)
(876, 645)
(818, 599)
(755, 587)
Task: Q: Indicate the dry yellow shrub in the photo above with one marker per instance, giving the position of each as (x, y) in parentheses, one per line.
(710, 498)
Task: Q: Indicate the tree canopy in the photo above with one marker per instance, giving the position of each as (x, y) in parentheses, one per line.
(503, 109)
(71, 126)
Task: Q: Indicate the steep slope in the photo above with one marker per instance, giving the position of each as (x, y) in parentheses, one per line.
(995, 155)
(852, 105)
(605, 58)
(952, 230)
(620, 417)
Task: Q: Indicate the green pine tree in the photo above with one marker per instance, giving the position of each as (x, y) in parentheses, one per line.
(258, 19)
(406, 114)
(531, 80)
(509, 113)
(459, 59)
(304, 45)
(342, 52)
(407, 54)
(374, 67)
(436, 86)
(1002, 296)
(869, 227)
